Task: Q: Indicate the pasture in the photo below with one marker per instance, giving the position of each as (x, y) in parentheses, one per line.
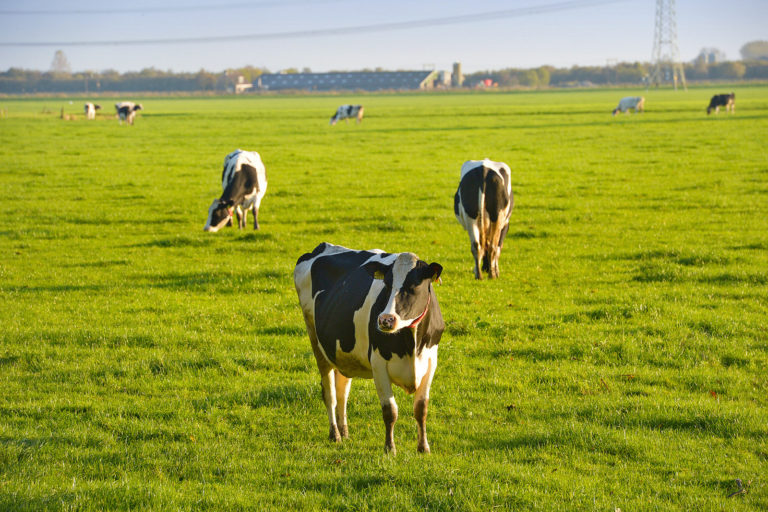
(619, 362)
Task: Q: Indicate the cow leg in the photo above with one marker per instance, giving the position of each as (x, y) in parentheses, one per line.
(388, 404)
(342, 393)
(255, 216)
(243, 221)
(327, 385)
(478, 254)
(494, 272)
(420, 403)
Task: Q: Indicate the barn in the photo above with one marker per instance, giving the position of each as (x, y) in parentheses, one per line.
(348, 81)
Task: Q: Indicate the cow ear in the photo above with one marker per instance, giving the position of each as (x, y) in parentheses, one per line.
(433, 272)
(376, 269)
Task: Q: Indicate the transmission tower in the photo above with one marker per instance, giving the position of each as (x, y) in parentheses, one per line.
(666, 57)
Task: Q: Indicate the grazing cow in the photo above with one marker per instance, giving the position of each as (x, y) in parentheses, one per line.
(371, 314)
(722, 100)
(347, 112)
(630, 102)
(90, 110)
(483, 205)
(244, 183)
(126, 111)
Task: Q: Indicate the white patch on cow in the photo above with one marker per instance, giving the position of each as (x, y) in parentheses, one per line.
(90, 111)
(403, 264)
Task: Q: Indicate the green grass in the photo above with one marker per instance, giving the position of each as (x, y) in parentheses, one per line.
(619, 361)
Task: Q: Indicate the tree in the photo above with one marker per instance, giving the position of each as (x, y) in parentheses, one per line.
(544, 76)
(529, 78)
(60, 64)
(755, 50)
(731, 69)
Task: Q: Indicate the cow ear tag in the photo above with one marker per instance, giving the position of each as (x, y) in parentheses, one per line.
(437, 280)
(378, 275)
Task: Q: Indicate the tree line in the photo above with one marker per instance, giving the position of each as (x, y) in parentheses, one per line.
(20, 81)
(620, 74)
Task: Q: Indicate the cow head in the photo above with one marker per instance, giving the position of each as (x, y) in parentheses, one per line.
(219, 215)
(407, 281)
(334, 119)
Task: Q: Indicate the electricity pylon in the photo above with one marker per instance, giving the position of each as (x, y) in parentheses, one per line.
(666, 56)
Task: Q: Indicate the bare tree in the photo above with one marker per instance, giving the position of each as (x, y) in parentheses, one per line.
(60, 64)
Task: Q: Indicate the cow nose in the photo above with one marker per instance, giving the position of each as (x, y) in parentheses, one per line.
(387, 321)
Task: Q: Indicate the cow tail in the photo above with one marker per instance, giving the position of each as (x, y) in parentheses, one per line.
(483, 222)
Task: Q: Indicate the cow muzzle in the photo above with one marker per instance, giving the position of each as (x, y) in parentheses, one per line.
(387, 322)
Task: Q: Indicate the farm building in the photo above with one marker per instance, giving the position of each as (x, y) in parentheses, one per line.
(357, 80)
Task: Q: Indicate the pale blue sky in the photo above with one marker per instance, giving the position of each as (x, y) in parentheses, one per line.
(554, 32)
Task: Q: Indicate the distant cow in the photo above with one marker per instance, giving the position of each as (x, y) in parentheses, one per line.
(722, 100)
(347, 112)
(244, 183)
(630, 102)
(90, 110)
(483, 205)
(126, 111)
(371, 314)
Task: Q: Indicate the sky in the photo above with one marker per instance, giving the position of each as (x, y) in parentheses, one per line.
(335, 35)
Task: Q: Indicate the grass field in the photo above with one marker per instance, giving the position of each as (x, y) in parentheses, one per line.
(620, 361)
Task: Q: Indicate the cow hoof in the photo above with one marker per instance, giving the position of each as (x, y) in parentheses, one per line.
(423, 448)
(390, 450)
(334, 435)
(344, 431)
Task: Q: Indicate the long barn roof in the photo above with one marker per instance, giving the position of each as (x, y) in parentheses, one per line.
(363, 80)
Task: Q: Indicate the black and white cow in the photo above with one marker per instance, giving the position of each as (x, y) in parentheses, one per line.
(636, 103)
(347, 112)
(244, 183)
(722, 100)
(90, 110)
(371, 314)
(483, 205)
(126, 111)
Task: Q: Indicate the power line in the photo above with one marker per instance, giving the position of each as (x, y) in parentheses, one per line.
(161, 9)
(380, 27)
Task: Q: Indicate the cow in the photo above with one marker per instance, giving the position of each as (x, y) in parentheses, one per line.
(483, 205)
(244, 183)
(90, 110)
(637, 103)
(126, 111)
(722, 100)
(371, 314)
(347, 112)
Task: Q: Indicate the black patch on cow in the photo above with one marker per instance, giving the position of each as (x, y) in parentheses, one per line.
(315, 252)
(434, 323)
(339, 286)
(470, 184)
(720, 100)
(219, 214)
(243, 183)
(411, 298)
(496, 198)
(335, 308)
(328, 270)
